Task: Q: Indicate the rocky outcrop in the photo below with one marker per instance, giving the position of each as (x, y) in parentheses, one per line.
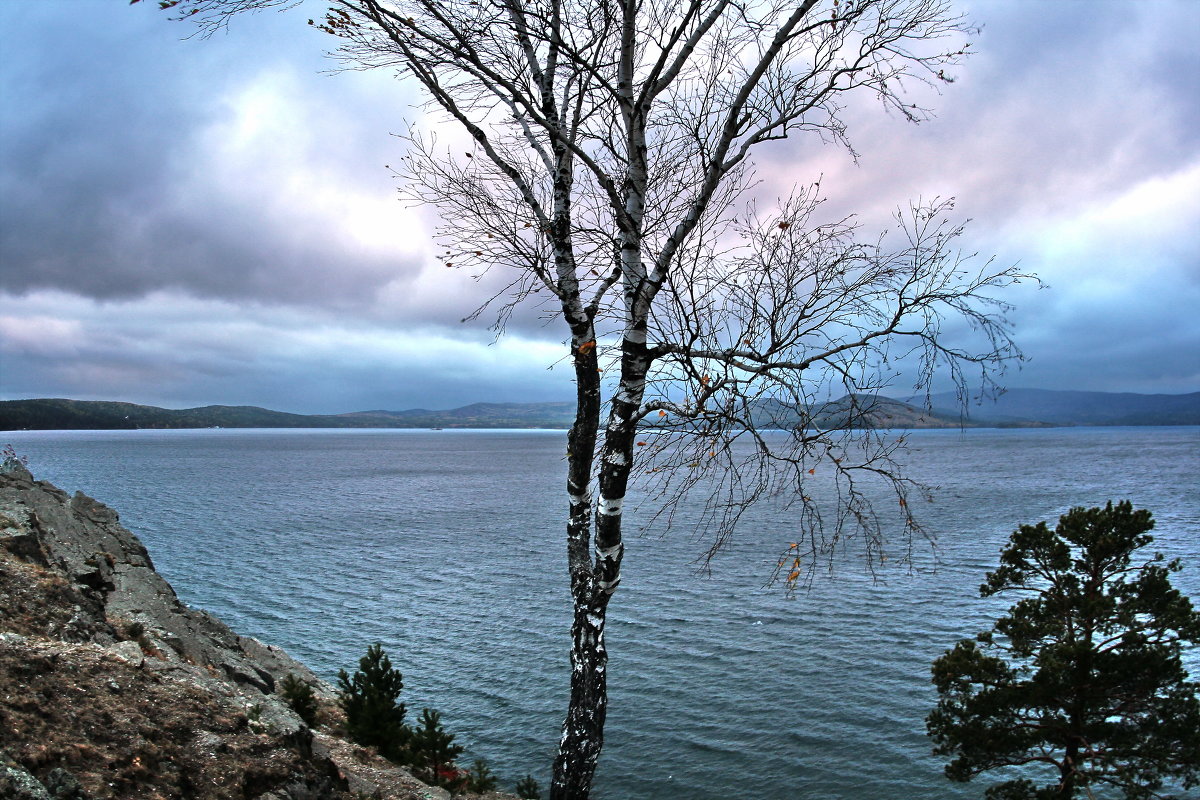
(84, 541)
(110, 687)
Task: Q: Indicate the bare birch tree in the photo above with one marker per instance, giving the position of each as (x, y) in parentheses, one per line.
(611, 145)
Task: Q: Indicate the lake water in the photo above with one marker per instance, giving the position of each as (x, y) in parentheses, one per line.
(447, 546)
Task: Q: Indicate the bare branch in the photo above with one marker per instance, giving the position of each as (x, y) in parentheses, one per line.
(743, 355)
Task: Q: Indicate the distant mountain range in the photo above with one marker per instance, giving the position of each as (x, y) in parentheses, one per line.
(1083, 408)
(1016, 408)
(59, 414)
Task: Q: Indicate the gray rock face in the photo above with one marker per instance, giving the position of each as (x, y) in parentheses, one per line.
(130, 652)
(109, 565)
(83, 613)
(17, 784)
(62, 785)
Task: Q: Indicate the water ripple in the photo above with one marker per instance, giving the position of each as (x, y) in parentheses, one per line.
(447, 548)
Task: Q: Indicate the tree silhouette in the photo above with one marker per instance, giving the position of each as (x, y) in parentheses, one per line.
(1081, 678)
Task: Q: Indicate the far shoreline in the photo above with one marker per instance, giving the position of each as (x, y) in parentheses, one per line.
(1016, 409)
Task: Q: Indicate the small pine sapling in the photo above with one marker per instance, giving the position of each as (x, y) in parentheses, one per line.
(479, 778)
(374, 718)
(433, 752)
(299, 696)
(528, 789)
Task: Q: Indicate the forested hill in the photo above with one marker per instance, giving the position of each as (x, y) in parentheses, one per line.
(1083, 408)
(59, 414)
(1016, 408)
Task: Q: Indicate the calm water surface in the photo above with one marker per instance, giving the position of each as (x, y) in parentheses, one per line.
(447, 546)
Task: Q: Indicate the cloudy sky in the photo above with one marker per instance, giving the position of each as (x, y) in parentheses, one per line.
(186, 222)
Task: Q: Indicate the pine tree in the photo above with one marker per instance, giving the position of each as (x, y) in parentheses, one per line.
(433, 751)
(528, 789)
(373, 716)
(480, 778)
(1083, 676)
(299, 695)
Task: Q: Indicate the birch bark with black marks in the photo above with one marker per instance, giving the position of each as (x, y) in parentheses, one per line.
(609, 164)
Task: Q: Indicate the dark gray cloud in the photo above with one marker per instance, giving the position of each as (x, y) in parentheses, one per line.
(118, 142)
(184, 222)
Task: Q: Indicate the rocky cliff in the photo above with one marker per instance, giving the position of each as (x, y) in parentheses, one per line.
(110, 687)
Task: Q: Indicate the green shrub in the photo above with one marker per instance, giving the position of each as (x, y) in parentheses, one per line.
(375, 718)
(298, 694)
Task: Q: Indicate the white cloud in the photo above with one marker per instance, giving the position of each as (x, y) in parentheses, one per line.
(40, 335)
(277, 149)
